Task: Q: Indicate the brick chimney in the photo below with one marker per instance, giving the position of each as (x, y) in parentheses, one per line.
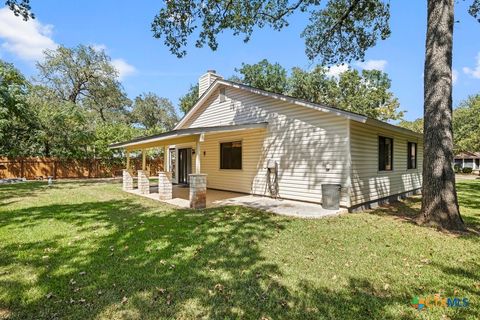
(206, 80)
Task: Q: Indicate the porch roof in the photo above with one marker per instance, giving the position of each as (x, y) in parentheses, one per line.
(468, 155)
(182, 135)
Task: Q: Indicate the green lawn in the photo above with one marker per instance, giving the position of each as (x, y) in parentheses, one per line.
(81, 250)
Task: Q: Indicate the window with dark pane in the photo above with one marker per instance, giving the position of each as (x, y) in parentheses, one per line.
(231, 155)
(412, 155)
(385, 154)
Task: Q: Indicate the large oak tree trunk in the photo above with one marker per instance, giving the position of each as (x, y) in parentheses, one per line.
(439, 203)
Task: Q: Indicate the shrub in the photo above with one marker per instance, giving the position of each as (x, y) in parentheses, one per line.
(456, 168)
(467, 170)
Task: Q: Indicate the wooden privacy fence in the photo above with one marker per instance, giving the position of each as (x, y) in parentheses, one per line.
(41, 168)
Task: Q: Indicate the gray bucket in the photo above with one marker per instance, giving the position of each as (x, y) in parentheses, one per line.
(331, 196)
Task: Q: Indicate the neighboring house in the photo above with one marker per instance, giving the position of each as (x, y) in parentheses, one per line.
(468, 160)
(253, 141)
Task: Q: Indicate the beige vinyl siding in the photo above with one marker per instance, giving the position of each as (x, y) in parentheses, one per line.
(239, 180)
(304, 142)
(368, 183)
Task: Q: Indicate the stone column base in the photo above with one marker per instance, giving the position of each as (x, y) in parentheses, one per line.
(198, 191)
(127, 180)
(165, 189)
(143, 182)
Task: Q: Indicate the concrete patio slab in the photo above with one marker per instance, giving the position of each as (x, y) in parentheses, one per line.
(282, 206)
(216, 198)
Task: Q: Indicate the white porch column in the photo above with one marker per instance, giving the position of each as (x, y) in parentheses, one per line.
(198, 181)
(166, 159)
(201, 138)
(144, 160)
(463, 163)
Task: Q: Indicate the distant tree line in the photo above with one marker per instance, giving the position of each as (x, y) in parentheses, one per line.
(366, 92)
(466, 125)
(74, 107)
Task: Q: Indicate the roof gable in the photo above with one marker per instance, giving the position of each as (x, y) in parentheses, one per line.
(220, 82)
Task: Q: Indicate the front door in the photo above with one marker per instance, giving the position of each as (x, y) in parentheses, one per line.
(184, 165)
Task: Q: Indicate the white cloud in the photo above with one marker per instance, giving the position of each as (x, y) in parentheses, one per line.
(337, 70)
(25, 39)
(474, 72)
(373, 64)
(454, 76)
(123, 67)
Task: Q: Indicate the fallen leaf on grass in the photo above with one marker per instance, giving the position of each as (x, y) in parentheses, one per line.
(124, 300)
(284, 303)
(5, 314)
(49, 295)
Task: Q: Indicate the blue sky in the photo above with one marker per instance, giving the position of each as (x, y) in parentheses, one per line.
(123, 29)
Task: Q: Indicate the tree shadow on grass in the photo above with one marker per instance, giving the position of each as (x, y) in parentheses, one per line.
(118, 258)
(182, 264)
(19, 190)
(121, 260)
(408, 210)
(127, 259)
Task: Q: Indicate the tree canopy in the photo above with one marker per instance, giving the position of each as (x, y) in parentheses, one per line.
(264, 75)
(84, 76)
(154, 113)
(16, 118)
(466, 125)
(187, 101)
(415, 125)
(366, 92)
(74, 107)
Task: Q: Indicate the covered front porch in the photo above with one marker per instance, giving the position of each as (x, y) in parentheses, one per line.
(182, 178)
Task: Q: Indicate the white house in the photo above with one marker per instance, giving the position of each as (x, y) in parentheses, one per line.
(468, 159)
(243, 139)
